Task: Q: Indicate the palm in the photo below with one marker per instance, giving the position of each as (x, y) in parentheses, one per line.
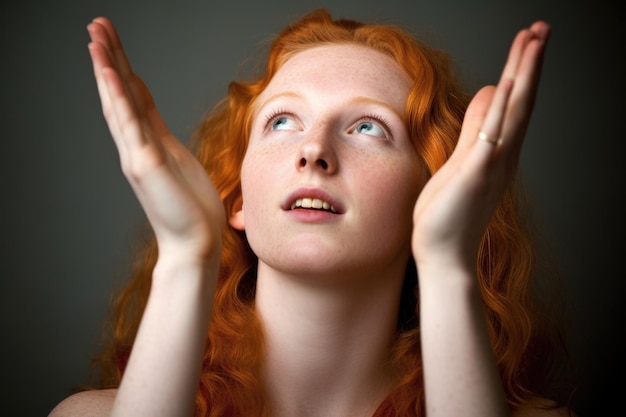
(177, 195)
(454, 207)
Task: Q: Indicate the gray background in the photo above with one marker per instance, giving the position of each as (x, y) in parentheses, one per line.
(69, 219)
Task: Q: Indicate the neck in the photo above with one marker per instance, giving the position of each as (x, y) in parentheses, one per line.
(328, 346)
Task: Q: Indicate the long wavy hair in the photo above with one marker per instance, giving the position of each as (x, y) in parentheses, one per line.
(524, 339)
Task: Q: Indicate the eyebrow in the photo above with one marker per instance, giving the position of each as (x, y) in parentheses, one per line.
(274, 97)
(369, 100)
(356, 100)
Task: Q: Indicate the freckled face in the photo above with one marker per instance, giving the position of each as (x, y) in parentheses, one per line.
(330, 177)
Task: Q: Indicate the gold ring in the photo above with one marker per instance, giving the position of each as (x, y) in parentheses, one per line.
(483, 136)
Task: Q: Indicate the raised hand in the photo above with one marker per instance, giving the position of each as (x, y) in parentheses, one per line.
(455, 206)
(175, 192)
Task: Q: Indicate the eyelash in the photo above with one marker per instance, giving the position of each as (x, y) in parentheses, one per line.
(384, 123)
(274, 115)
(271, 117)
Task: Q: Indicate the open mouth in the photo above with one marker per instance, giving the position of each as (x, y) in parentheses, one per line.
(313, 204)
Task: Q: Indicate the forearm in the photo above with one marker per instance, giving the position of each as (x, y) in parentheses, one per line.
(460, 372)
(161, 378)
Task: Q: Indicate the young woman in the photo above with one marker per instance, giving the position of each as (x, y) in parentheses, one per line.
(346, 239)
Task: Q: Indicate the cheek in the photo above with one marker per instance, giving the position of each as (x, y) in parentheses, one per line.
(390, 191)
(255, 167)
(253, 179)
(259, 173)
(394, 181)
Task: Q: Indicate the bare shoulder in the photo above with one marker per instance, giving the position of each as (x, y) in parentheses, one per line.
(93, 403)
(539, 407)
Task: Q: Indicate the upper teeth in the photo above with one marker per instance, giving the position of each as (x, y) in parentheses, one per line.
(315, 203)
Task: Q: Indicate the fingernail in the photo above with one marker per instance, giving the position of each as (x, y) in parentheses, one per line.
(544, 32)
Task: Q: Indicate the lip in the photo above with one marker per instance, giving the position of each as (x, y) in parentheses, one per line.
(312, 192)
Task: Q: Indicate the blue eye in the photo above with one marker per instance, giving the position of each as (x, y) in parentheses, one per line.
(283, 123)
(370, 128)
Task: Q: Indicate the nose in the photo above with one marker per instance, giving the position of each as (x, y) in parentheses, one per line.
(316, 152)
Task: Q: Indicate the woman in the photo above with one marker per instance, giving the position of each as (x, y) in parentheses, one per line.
(349, 181)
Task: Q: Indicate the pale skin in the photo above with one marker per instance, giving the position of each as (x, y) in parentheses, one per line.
(328, 282)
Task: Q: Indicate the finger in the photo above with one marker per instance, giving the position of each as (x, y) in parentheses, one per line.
(515, 53)
(475, 115)
(99, 62)
(103, 32)
(479, 106)
(148, 107)
(102, 57)
(518, 83)
(98, 36)
(529, 59)
(129, 133)
(489, 136)
(97, 53)
(524, 92)
(110, 36)
(542, 30)
(122, 64)
(537, 31)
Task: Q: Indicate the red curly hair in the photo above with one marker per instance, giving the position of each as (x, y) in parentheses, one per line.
(523, 340)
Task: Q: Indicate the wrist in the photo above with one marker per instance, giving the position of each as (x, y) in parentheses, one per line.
(453, 273)
(179, 271)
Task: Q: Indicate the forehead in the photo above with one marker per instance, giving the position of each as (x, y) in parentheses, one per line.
(342, 69)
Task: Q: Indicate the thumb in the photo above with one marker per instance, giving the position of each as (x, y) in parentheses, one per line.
(474, 116)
